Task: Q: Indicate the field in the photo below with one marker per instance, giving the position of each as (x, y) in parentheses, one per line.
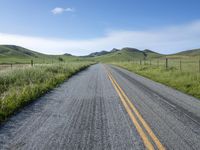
(20, 85)
(182, 74)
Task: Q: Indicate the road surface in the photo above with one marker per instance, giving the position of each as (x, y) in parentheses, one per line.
(106, 107)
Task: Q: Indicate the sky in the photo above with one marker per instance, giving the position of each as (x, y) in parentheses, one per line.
(80, 27)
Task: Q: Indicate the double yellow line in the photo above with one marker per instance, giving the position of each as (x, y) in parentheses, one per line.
(136, 117)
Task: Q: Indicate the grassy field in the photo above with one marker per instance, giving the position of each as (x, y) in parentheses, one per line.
(187, 80)
(19, 86)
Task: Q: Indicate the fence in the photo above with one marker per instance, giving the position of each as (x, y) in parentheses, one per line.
(184, 64)
(11, 66)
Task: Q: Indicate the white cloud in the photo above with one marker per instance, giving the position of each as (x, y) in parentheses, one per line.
(163, 40)
(59, 10)
(70, 9)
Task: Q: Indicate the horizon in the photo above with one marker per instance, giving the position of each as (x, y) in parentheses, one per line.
(81, 28)
(102, 50)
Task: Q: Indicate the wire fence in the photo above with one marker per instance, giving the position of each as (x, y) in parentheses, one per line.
(12, 66)
(185, 65)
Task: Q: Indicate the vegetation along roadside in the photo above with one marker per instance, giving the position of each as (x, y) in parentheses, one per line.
(185, 81)
(20, 86)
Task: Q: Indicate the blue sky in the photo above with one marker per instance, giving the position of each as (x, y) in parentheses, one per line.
(83, 26)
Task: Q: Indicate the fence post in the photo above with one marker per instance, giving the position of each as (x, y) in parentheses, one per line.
(11, 65)
(166, 63)
(199, 65)
(150, 62)
(180, 65)
(140, 62)
(31, 63)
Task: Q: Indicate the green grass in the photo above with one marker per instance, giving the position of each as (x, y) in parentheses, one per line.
(20, 86)
(185, 81)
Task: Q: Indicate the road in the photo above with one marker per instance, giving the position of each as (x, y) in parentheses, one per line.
(106, 107)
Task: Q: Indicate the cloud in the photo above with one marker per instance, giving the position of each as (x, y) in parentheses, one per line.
(70, 9)
(59, 10)
(164, 40)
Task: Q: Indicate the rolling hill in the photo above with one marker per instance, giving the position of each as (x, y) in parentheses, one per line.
(12, 50)
(192, 52)
(127, 54)
(98, 53)
(16, 54)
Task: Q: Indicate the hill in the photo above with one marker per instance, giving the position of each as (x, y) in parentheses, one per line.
(16, 54)
(98, 53)
(127, 54)
(12, 50)
(192, 52)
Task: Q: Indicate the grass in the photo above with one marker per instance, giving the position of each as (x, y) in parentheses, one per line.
(20, 86)
(185, 81)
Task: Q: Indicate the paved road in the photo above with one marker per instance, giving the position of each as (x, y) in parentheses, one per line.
(106, 108)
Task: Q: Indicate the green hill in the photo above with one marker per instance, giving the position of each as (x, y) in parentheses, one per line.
(192, 52)
(127, 54)
(17, 51)
(16, 54)
(98, 53)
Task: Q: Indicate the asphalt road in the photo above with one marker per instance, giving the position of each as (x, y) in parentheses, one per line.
(106, 107)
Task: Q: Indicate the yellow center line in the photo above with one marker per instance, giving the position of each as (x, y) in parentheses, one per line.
(146, 141)
(130, 104)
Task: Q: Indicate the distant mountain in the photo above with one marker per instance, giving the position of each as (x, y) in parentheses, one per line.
(149, 51)
(67, 54)
(129, 49)
(192, 52)
(13, 50)
(114, 50)
(98, 53)
(16, 54)
(124, 54)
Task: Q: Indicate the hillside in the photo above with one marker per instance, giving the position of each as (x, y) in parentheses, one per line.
(16, 54)
(98, 53)
(192, 52)
(126, 54)
(12, 50)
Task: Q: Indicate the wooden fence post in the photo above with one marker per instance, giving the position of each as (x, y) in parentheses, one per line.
(199, 65)
(31, 63)
(11, 65)
(166, 63)
(150, 62)
(140, 62)
(180, 65)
